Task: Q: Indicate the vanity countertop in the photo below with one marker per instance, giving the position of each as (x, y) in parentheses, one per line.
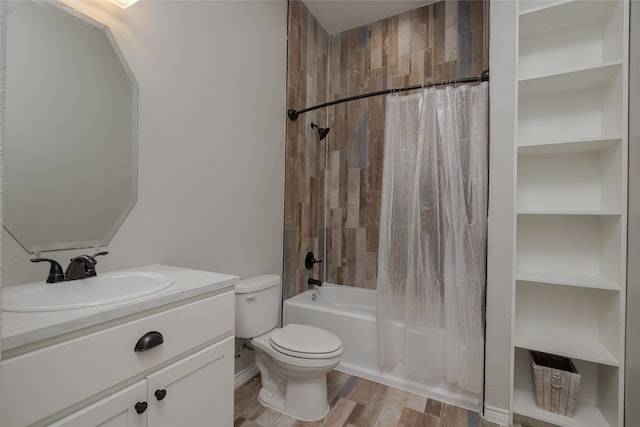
(25, 328)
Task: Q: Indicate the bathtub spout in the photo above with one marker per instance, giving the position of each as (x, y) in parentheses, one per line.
(314, 282)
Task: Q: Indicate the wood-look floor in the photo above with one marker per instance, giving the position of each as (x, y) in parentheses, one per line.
(358, 402)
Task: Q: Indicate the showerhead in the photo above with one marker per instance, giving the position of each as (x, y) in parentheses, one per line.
(321, 131)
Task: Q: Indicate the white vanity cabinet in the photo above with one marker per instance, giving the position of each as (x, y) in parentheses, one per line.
(115, 410)
(198, 391)
(191, 392)
(95, 377)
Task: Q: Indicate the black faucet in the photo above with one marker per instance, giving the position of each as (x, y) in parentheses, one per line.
(314, 282)
(82, 266)
(55, 271)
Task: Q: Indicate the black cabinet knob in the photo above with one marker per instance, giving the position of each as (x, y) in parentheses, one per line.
(141, 407)
(160, 394)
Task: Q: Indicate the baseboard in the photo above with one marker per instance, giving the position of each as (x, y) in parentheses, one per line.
(497, 415)
(244, 375)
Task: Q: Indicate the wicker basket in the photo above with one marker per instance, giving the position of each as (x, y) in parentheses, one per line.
(556, 381)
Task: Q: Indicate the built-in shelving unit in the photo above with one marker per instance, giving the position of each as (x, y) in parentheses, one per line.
(597, 403)
(571, 198)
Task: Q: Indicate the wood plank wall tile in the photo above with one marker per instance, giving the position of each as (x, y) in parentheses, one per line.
(440, 41)
(307, 84)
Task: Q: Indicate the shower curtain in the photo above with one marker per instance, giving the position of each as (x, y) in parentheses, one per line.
(433, 227)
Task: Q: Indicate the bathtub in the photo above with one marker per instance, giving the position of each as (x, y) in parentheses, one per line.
(350, 313)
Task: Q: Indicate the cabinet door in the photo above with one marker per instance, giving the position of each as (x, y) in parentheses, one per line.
(116, 410)
(195, 391)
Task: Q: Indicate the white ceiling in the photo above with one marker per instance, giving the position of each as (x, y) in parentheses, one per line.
(336, 16)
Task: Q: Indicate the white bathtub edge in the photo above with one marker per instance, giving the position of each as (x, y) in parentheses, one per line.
(457, 399)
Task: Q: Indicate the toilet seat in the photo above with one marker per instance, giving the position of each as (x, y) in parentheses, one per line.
(307, 342)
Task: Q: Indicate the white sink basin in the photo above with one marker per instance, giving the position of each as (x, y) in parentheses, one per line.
(103, 289)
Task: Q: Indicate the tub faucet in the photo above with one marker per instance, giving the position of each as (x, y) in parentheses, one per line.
(309, 260)
(314, 282)
(82, 266)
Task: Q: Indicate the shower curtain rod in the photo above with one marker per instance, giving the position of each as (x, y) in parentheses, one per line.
(484, 77)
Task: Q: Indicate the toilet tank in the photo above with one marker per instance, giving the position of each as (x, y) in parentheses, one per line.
(257, 305)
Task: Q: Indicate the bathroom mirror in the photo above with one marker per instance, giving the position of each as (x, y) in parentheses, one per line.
(71, 129)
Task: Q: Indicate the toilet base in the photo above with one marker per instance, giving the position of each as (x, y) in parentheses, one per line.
(305, 399)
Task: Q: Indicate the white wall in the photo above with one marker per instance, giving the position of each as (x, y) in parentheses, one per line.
(632, 368)
(211, 138)
(3, 41)
(501, 224)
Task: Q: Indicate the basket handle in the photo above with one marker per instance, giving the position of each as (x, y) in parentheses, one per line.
(556, 380)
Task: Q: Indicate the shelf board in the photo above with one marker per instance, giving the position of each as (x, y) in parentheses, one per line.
(603, 212)
(586, 415)
(577, 280)
(539, 6)
(531, 148)
(586, 244)
(548, 341)
(528, 6)
(573, 80)
(557, 16)
(573, 73)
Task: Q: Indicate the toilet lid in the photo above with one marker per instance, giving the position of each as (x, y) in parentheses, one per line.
(306, 341)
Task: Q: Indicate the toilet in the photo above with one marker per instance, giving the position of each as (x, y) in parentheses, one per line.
(294, 360)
